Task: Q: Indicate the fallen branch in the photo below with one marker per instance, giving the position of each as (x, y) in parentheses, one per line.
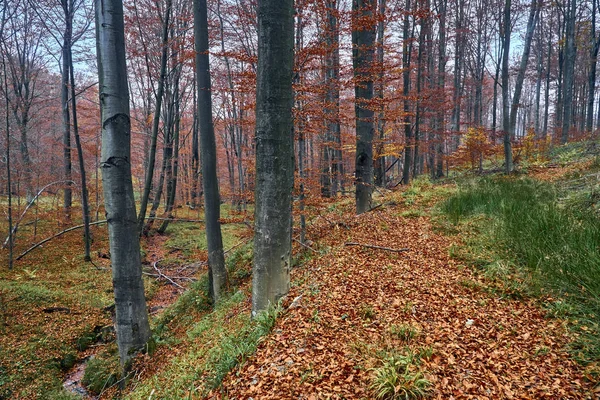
(161, 275)
(28, 206)
(370, 246)
(35, 246)
(305, 245)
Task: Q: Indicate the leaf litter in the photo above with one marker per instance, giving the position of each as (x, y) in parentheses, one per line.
(483, 345)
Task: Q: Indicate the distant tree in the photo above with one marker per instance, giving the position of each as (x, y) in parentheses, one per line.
(274, 153)
(132, 327)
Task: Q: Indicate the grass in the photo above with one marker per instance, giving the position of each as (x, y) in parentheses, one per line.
(552, 247)
(399, 378)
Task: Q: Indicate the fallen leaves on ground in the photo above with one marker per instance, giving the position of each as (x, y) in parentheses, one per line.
(484, 345)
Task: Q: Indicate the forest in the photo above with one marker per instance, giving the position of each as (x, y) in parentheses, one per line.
(315, 199)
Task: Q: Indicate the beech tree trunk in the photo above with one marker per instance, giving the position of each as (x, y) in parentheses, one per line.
(569, 70)
(155, 121)
(595, 46)
(131, 323)
(508, 160)
(274, 154)
(64, 99)
(534, 13)
(208, 148)
(363, 40)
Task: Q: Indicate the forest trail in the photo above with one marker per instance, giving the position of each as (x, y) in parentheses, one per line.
(360, 305)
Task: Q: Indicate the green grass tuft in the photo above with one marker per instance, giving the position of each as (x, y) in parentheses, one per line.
(399, 378)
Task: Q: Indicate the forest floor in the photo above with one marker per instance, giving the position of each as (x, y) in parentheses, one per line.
(361, 309)
(390, 302)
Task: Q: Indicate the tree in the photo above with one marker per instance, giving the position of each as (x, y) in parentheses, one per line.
(132, 327)
(569, 70)
(274, 154)
(208, 148)
(363, 39)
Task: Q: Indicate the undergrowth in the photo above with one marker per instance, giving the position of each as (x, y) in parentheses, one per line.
(528, 230)
(399, 378)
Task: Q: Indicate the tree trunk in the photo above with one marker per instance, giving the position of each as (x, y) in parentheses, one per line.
(379, 163)
(569, 70)
(132, 327)
(156, 120)
(208, 147)
(85, 208)
(406, 49)
(441, 84)
(363, 39)
(64, 99)
(274, 154)
(534, 13)
(7, 154)
(595, 41)
(506, 30)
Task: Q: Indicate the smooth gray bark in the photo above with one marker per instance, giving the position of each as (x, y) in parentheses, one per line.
(379, 163)
(131, 323)
(274, 154)
(569, 70)
(408, 140)
(208, 148)
(363, 51)
(534, 13)
(156, 120)
(595, 46)
(506, 30)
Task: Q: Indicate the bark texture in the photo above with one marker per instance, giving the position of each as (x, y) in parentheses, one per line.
(363, 51)
(208, 148)
(133, 330)
(274, 154)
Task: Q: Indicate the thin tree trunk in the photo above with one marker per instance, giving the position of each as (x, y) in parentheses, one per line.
(441, 84)
(534, 13)
(379, 163)
(8, 172)
(85, 208)
(131, 323)
(506, 30)
(64, 98)
(208, 147)
(405, 92)
(274, 154)
(569, 70)
(589, 125)
(156, 120)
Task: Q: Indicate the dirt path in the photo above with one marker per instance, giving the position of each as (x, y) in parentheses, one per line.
(483, 345)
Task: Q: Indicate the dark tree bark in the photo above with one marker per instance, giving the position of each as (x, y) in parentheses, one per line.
(534, 13)
(274, 154)
(408, 140)
(156, 120)
(569, 70)
(85, 208)
(64, 98)
(132, 327)
(379, 163)
(363, 40)
(505, 32)
(212, 203)
(595, 46)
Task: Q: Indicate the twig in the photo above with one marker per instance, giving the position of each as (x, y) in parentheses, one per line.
(370, 246)
(35, 246)
(28, 206)
(305, 245)
(164, 276)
